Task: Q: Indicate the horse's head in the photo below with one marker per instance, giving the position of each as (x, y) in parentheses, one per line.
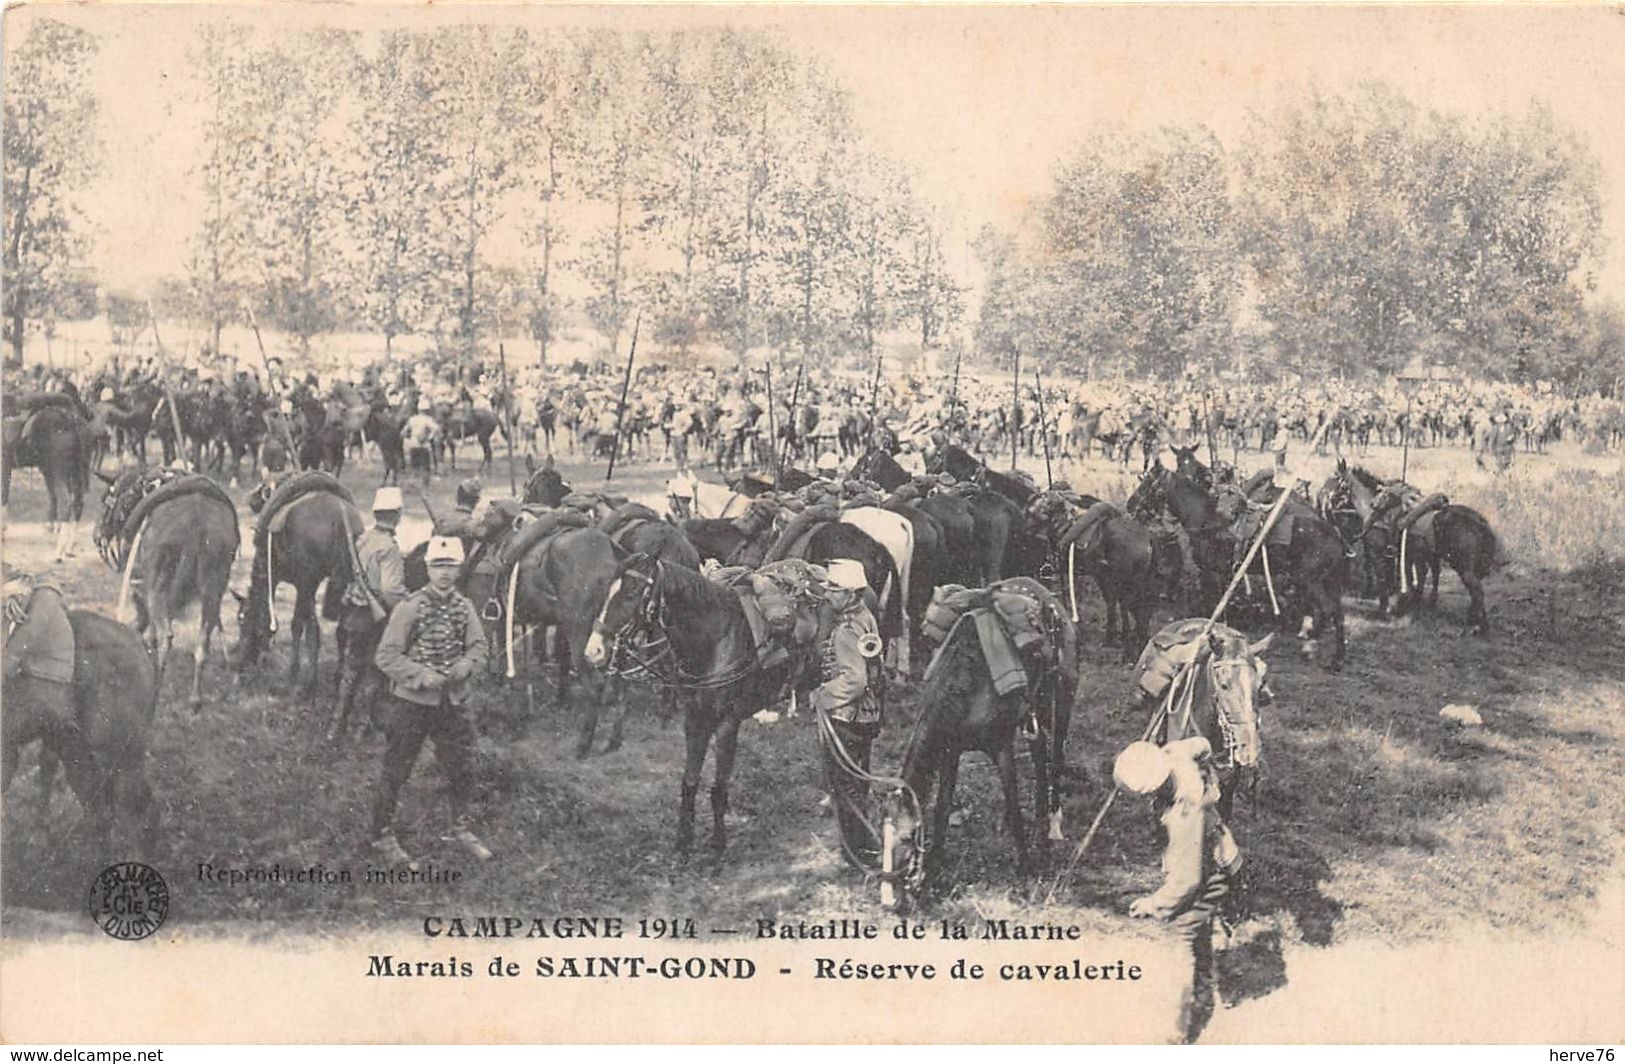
(495, 519)
(902, 844)
(1237, 671)
(680, 494)
(1150, 494)
(1047, 513)
(631, 609)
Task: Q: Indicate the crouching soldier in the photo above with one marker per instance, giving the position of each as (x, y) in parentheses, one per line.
(431, 649)
(1199, 864)
(849, 699)
(38, 657)
(378, 587)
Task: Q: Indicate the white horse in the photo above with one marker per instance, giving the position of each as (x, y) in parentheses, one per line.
(690, 496)
(895, 533)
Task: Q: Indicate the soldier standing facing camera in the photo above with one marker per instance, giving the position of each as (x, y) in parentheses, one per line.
(431, 649)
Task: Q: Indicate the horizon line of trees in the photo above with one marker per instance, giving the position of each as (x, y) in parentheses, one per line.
(1342, 234)
(712, 179)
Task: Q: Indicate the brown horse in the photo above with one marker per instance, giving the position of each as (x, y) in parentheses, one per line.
(960, 711)
(313, 546)
(177, 548)
(557, 582)
(1121, 563)
(103, 750)
(55, 440)
(689, 632)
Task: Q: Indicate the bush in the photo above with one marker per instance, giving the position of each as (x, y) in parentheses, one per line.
(1560, 519)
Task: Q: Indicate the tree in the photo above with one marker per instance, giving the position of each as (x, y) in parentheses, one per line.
(401, 166)
(296, 200)
(52, 152)
(219, 247)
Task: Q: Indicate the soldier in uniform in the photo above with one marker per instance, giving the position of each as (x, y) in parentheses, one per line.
(431, 650)
(849, 695)
(460, 522)
(1199, 863)
(377, 589)
(38, 674)
(420, 433)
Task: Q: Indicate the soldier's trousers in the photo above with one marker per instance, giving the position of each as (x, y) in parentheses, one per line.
(1194, 927)
(407, 726)
(850, 794)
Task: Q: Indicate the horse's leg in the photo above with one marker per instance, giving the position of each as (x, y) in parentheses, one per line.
(589, 717)
(1477, 618)
(697, 727)
(199, 652)
(1013, 819)
(947, 778)
(727, 746)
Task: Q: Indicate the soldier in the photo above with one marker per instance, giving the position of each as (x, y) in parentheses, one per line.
(38, 654)
(419, 434)
(460, 522)
(1199, 863)
(849, 696)
(379, 586)
(431, 649)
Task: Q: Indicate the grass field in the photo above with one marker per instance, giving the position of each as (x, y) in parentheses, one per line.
(1379, 819)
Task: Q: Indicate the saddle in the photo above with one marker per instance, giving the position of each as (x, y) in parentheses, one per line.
(624, 519)
(793, 539)
(532, 528)
(128, 507)
(274, 517)
(1173, 647)
(1015, 623)
(1087, 532)
(783, 604)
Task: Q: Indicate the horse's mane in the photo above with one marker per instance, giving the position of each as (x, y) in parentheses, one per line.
(685, 585)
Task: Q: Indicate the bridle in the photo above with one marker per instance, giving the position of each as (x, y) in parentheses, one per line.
(641, 649)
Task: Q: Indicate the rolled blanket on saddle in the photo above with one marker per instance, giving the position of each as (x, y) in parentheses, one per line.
(800, 527)
(140, 499)
(1170, 650)
(624, 518)
(1430, 504)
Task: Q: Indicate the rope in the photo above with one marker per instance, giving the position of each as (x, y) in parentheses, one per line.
(1072, 576)
(1269, 583)
(1404, 576)
(513, 587)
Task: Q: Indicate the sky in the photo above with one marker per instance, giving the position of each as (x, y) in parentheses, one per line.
(979, 103)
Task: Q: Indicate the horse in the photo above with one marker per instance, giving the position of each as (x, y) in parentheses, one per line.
(176, 548)
(1314, 562)
(1458, 535)
(953, 459)
(731, 544)
(1122, 564)
(103, 750)
(557, 582)
(710, 651)
(961, 710)
(57, 442)
(466, 421)
(383, 427)
(314, 546)
(1217, 697)
(545, 487)
(689, 496)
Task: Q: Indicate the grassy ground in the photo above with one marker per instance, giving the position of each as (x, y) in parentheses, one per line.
(1379, 818)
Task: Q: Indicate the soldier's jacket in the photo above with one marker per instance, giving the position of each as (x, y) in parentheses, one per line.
(1199, 843)
(847, 693)
(383, 566)
(41, 643)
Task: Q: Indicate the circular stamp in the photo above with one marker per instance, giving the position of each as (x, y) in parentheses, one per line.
(129, 900)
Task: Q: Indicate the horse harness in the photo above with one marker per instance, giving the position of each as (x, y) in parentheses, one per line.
(641, 649)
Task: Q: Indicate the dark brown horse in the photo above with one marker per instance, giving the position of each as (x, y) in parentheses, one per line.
(176, 548)
(1121, 563)
(675, 626)
(546, 487)
(55, 440)
(960, 710)
(103, 750)
(559, 581)
(951, 458)
(314, 546)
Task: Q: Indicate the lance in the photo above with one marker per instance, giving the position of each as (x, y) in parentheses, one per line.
(1015, 408)
(874, 392)
(795, 398)
(1158, 717)
(626, 382)
(507, 416)
(1405, 437)
(1043, 425)
(270, 382)
(953, 398)
(169, 398)
(772, 421)
(1207, 424)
